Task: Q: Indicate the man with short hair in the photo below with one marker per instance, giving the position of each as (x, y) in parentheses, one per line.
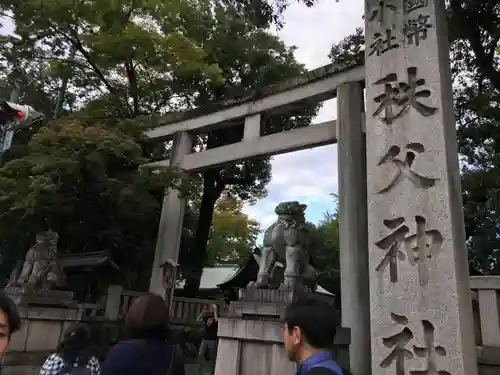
(308, 337)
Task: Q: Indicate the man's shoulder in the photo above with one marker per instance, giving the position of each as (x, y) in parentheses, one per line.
(326, 371)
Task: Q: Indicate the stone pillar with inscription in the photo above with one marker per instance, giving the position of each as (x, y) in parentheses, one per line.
(171, 220)
(421, 312)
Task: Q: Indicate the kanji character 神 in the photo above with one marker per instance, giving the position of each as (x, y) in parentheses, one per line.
(399, 97)
(425, 244)
(422, 246)
(392, 245)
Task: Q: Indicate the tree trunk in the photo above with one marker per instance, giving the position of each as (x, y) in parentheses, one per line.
(212, 190)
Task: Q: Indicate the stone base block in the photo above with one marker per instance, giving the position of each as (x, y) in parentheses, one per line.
(248, 347)
(24, 295)
(251, 335)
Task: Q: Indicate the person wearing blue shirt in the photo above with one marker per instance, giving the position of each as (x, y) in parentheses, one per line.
(308, 337)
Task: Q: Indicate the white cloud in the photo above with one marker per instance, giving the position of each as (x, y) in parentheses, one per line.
(310, 176)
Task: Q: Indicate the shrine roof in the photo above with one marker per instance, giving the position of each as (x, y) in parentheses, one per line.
(88, 260)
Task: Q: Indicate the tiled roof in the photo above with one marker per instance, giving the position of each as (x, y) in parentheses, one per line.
(212, 277)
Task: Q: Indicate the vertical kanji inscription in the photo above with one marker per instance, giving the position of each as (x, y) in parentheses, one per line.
(401, 161)
(421, 247)
(411, 5)
(398, 343)
(416, 29)
(399, 96)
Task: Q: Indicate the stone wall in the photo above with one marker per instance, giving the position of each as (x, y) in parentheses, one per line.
(41, 331)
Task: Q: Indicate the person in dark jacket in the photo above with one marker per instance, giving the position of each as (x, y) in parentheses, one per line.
(147, 352)
(74, 351)
(308, 336)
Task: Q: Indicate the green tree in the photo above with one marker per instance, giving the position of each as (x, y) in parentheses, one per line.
(474, 30)
(82, 180)
(325, 251)
(135, 78)
(172, 56)
(233, 234)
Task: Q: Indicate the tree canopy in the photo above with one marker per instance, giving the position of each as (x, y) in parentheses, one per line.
(233, 235)
(81, 179)
(115, 59)
(325, 249)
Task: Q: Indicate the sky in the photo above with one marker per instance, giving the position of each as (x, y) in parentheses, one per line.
(309, 176)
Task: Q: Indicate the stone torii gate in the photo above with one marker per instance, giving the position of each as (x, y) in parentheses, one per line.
(404, 269)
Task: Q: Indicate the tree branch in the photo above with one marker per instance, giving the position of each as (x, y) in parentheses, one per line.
(470, 30)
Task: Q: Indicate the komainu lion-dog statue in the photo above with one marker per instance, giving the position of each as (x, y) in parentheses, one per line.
(286, 241)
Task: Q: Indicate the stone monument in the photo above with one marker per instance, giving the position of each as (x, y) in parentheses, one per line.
(421, 314)
(40, 279)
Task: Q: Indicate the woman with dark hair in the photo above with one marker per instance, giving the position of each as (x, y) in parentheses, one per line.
(147, 352)
(72, 354)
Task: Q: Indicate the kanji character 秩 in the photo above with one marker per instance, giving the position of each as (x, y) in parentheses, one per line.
(399, 97)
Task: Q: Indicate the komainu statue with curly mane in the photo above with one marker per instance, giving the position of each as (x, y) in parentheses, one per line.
(41, 268)
(286, 241)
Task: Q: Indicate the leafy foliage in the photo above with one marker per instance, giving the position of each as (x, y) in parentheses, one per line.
(325, 251)
(135, 78)
(475, 35)
(83, 181)
(233, 234)
(172, 56)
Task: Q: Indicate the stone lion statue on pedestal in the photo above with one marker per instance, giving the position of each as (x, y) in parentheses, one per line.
(286, 241)
(41, 268)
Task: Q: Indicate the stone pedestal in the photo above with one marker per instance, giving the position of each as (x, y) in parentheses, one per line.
(251, 335)
(25, 296)
(42, 327)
